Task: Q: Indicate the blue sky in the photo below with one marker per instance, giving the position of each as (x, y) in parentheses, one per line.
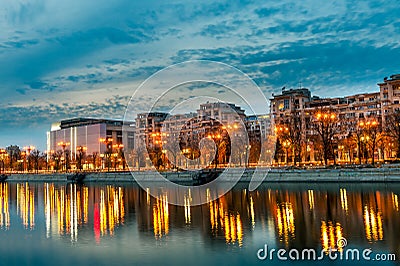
(63, 59)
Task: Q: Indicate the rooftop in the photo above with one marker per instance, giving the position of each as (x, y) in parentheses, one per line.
(82, 121)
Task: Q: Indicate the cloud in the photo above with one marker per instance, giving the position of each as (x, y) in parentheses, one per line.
(71, 55)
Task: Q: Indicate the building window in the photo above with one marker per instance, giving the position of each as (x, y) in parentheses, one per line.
(286, 104)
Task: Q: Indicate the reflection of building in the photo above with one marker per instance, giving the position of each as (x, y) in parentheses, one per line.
(87, 132)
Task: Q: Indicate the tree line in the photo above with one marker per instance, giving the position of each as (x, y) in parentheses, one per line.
(327, 137)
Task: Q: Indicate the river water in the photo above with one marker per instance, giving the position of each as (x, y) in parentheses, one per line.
(121, 224)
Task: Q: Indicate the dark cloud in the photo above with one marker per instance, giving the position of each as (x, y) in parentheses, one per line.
(19, 44)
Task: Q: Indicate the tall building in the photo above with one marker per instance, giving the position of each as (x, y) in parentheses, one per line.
(88, 133)
(390, 94)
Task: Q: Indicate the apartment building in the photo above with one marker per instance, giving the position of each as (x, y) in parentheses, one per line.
(353, 109)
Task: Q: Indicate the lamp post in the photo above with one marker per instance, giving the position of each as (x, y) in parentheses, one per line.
(370, 129)
(186, 152)
(119, 148)
(23, 155)
(327, 129)
(81, 152)
(246, 162)
(3, 154)
(286, 145)
(63, 146)
(108, 153)
(28, 150)
(164, 162)
(217, 139)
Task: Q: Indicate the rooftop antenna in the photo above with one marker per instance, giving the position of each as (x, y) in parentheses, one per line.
(300, 85)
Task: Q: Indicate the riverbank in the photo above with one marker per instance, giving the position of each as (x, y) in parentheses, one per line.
(274, 175)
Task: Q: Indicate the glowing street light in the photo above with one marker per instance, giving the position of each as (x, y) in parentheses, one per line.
(108, 143)
(63, 145)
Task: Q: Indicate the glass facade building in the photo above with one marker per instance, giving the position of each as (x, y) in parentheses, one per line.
(88, 133)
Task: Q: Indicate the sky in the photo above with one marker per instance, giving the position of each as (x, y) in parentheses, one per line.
(78, 58)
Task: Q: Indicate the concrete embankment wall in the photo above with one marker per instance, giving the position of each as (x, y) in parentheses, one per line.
(275, 175)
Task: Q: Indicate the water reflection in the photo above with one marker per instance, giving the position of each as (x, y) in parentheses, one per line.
(161, 217)
(4, 210)
(330, 234)
(285, 222)
(26, 205)
(295, 216)
(225, 222)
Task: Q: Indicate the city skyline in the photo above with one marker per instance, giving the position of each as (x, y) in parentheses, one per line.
(74, 59)
(283, 90)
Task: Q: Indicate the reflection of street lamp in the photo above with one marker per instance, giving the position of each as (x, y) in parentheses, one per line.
(63, 146)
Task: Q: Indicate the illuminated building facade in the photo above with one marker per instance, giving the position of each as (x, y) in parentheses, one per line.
(73, 134)
(353, 109)
(212, 120)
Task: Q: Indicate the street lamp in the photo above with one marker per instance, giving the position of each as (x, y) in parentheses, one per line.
(164, 162)
(28, 152)
(81, 151)
(286, 145)
(63, 146)
(119, 148)
(108, 143)
(3, 154)
(217, 139)
(246, 162)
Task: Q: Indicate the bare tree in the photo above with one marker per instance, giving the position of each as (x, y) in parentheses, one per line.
(56, 157)
(35, 157)
(95, 155)
(289, 132)
(372, 134)
(14, 154)
(327, 127)
(392, 128)
(137, 157)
